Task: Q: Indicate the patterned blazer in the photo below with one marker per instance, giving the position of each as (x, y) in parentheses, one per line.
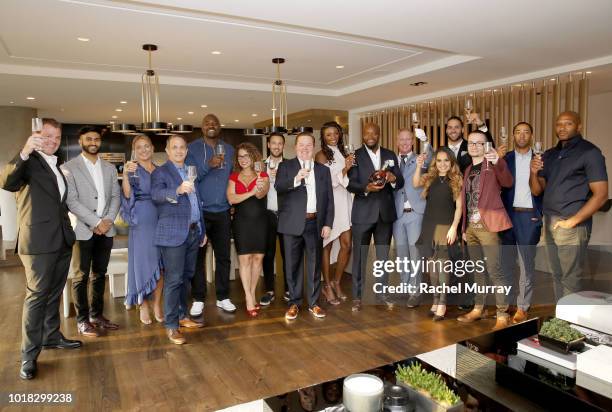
(174, 211)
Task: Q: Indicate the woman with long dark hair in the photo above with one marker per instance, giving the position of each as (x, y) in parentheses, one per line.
(442, 189)
(333, 155)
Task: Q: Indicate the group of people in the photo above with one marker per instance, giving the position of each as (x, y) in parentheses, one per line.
(320, 207)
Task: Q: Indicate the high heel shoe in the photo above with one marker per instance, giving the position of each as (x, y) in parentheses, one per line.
(146, 320)
(253, 313)
(328, 293)
(437, 316)
(336, 288)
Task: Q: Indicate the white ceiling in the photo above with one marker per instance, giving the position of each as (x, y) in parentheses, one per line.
(384, 46)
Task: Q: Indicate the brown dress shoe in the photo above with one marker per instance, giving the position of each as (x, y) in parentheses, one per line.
(190, 324)
(474, 315)
(87, 329)
(519, 316)
(102, 322)
(503, 321)
(292, 312)
(176, 336)
(317, 311)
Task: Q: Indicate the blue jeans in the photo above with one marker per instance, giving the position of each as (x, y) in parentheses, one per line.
(406, 232)
(179, 265)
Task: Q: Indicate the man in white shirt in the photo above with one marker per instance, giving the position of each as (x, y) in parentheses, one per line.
(525, 211)
(305, 218)
(276, 144)
(93, 197)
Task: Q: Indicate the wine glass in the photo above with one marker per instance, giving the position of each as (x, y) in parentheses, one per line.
(258, 167)
(350, 149)
(537, 148)
(424, 147)
(503, 136)
(37, 125)
(415, 119)
(134, 175)
(488, 146)
(468, 107)
(308, 168)
(192, 174)
(220, 151)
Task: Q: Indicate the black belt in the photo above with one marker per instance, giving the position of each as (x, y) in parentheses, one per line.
(311, 216)
(408, 209)
(523, 209)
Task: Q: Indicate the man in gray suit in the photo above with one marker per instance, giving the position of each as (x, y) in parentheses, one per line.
(93, 197)
(409, 206)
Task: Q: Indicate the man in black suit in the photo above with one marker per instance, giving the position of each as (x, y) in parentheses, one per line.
(45, 241)
(374, 206)
(305, 218)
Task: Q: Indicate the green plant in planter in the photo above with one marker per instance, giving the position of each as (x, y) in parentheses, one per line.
(559, 329)
(428, 383)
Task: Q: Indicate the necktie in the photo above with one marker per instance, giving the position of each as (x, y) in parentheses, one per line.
(402, 167)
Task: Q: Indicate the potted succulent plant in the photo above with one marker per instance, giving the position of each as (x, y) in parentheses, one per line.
(558, 335)
(427, 389)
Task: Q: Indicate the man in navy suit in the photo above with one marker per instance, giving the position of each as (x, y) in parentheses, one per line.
(180, 231)
(373, 208)
(525, 211)
(305, 218)
(409, 206)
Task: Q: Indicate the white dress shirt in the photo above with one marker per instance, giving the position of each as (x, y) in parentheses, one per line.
(272, 197)
(455, 148)
(52, 162)
(95, 170)
(311, 193)
(522, 192)
(375, 157)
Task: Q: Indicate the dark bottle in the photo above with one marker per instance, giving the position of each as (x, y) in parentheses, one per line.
(379, 177)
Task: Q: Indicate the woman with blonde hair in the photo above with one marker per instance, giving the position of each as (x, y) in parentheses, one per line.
(246, 192)
(442, 189)
(137, 209)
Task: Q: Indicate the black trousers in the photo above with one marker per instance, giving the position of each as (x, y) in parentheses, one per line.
(362, 235)
(270, 255)
(95, 254)
(310, 242)
(218, 232)
(45, 280)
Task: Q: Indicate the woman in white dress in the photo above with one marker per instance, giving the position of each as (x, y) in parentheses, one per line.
(333, 155)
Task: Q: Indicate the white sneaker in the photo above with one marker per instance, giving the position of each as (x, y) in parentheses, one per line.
(226, 305)
(196, 308)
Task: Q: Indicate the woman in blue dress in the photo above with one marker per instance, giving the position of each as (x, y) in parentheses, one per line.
(137, 209)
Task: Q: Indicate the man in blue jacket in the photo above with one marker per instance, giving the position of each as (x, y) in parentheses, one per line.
(525, 211)
(180, 230)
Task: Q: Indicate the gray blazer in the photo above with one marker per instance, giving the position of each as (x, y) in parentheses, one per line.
(414, 195)
(82, 197)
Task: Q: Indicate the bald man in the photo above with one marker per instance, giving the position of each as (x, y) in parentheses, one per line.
(573, 178)
(373, 208)
(213, 175)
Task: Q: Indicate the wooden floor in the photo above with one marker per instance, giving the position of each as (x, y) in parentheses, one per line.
(232, 360)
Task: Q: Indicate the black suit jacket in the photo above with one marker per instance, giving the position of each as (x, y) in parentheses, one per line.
(292, 200)
(367, 207)
(44, 226)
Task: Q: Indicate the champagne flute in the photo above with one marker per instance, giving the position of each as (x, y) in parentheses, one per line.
(258, 167)
(488, 146)
(468, 109)
(220, 151)
(537, 148)
(415, 119)
(192, 174)
(424, 147)
(350, 149)
(37, 126)
(503, 135)
(308, 168)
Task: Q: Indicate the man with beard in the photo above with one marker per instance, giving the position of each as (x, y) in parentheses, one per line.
(93, 197)
(525, 212)
(573, 177)
(276, 144)
(373, 208)
(45, 241)
(213, 176)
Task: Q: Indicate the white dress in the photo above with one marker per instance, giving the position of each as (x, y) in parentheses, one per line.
(343, 202)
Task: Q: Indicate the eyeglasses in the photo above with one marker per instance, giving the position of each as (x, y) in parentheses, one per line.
(474, 144)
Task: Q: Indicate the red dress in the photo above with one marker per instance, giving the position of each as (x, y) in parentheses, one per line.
(250, 223)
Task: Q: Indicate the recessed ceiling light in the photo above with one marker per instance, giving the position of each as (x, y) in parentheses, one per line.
(254, 114)
(340, 66)
(84, 39)
(203, 106)
(589, 72)
(118, 110)
(113, 117)
(123, 102)
(189, 112)
(111, 122)
(179, 118)
(494, 90)
(236, 120)
(12, 102)
(553, 79)
(215, 52)
(309, 120)
(31, 98)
